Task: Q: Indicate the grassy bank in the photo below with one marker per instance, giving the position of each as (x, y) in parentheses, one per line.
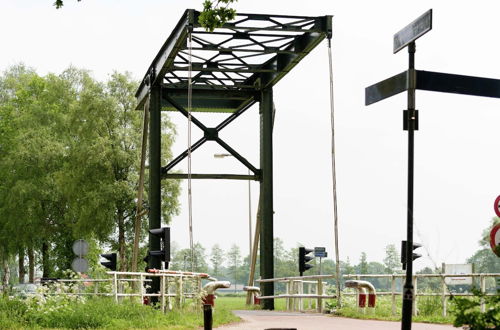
(104, 313)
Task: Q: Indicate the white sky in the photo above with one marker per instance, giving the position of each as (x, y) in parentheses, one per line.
(456, 178)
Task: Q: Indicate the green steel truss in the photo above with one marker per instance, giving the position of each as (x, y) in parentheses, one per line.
(229, 65)
(232, 68)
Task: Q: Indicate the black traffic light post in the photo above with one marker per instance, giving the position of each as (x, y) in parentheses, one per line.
(304, 258)
(404, 252)
(111, 263)
(163, 234)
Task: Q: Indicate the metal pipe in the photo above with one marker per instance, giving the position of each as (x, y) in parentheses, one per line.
(361, 286)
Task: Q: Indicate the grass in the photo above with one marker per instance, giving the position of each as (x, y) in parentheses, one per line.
(429, 310)
(104, 313)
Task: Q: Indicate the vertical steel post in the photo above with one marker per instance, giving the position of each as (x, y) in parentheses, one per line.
(154, 180)
(408, 292)
(266, 191)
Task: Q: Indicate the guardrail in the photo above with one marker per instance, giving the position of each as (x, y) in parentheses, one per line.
(444, 293)
(295, 295)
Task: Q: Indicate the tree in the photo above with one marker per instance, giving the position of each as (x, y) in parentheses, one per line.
(182, 260)
(215, 13)
(217, 258)
(484, 260)
(69, 163)
(234, 262)
(363, 264)
(392, 260)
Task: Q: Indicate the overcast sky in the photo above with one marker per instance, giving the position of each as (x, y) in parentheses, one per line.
(457, 147)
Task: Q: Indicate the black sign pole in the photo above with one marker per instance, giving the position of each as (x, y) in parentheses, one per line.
(411, 123)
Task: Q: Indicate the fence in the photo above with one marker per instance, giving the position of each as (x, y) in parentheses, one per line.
(175, 287)
(294, 292)
(444, 293)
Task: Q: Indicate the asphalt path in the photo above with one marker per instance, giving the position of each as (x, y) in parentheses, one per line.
(308, 321)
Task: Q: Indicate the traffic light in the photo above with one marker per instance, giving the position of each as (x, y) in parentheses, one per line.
(304, 258)
(111, 263)
(403, 252)
(164, 253)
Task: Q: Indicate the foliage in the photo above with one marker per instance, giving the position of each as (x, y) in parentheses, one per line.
(363, 264)
(184, 260)
(105, 313)
(467, 311)
(217, 258)
(392, 260)
(215, 13)
(69, 163)
(60, 3)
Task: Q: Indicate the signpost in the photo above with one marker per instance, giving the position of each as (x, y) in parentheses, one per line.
(411, 80)
(320, 252)
(497, 206)
(495, 239)
(81, 249)
(413, 31)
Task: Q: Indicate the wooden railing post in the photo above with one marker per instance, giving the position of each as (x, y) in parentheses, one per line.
(443, 296)
(414, 307)
(115, 286)
(319, 306)
(482, 287)
(393, 294)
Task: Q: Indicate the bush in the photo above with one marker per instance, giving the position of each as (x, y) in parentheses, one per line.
(467, 311)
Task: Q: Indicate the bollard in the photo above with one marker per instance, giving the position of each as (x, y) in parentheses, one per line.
(362, 300)
(371, 300)
(207, 317)
(209, 299)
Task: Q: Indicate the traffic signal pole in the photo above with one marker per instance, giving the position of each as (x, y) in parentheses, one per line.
(154, 178)
(411, 119)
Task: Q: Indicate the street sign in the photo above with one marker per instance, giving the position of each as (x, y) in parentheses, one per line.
(495, 239)
(497, 206)
(458, 269)
(80, 247)
(80, 265)
(413, 31)
(320, 252)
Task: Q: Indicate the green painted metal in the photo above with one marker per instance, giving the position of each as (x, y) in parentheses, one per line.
(154, 178)
(266, 195)
(232, 68)
(234, 58)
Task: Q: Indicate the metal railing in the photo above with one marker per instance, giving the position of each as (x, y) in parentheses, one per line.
(444, 292)
(294, 292)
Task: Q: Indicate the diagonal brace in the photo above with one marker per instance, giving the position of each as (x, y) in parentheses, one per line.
(209, 134)
(179, 158)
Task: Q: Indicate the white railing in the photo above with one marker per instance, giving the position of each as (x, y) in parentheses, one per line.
(294, 293)
(444, 292)
(175, 287)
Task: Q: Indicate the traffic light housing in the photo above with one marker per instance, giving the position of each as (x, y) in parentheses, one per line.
(164, 253)
(304, 258)
(111, 263)
(403, 252)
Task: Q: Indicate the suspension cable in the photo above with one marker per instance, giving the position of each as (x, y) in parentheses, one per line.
(190, 199)
(334, 174)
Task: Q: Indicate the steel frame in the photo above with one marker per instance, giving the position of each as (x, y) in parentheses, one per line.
(232, 68)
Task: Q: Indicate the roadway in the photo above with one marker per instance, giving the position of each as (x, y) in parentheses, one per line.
(255, 319)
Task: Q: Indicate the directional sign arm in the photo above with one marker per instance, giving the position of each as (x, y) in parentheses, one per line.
(386, 88)
(435, 82)
(458, 84)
